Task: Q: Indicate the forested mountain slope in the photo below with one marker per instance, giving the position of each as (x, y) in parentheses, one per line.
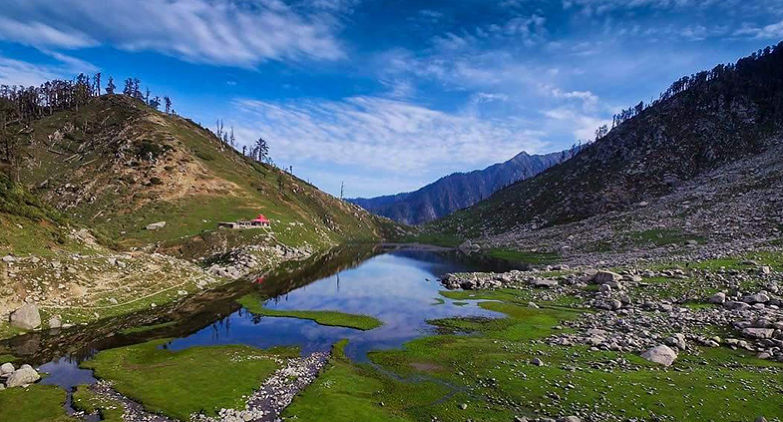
(701, 123)
(459, 190)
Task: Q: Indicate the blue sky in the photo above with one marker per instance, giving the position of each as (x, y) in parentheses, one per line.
(388, 95)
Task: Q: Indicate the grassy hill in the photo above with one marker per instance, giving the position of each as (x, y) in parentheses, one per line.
(116, 165)
(704, 122)
(29, 226)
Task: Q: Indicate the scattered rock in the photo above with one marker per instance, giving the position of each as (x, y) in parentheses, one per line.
(55, 322)
(23, 376)
(6, 368)
(718, 298)
(661, 354)
(27, 317)
(156, 226)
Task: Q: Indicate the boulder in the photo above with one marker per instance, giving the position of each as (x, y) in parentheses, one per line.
(55, 322)
(736, 305)
(23, 376)
(677, 340)
(718, 298)
(156, 226)
(607, 277)
(760, 297)
(544, 283)
(661, 354)
(6, 368)
(27, 317)
(759, 333)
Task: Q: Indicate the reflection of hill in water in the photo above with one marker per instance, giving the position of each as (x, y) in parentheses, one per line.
(190, 314)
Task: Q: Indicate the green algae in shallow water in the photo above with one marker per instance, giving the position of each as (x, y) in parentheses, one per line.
(36, 403)
(332, 318)
(179, 383)
(494, 366)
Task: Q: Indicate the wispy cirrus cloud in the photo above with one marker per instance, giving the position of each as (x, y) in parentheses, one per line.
(221, 32)
(381, 134)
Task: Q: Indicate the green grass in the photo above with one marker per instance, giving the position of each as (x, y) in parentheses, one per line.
(663, 237)
(333, 318)
(346, 393)
(86, 400)
(36, 403)
(525, 257)
(179, 383)
(490, 371)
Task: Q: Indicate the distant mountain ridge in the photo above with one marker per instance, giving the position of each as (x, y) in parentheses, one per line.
(701, 124)
(459, 190)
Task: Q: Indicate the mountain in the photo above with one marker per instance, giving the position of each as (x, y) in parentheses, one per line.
(685, 146)
(115, 165)
(458, 190)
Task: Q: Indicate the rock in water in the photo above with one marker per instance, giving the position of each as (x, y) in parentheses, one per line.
(27, 317)
(661, 354)
(22, 376)
(156, 226)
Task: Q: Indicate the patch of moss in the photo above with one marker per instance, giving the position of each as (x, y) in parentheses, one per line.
(333, 318)
(36, 403)
(525, 257)
(180, 383)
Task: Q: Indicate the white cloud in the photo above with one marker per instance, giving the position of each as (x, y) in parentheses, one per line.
(222, 32)
(772, 31)
(39, 34)
(380, 134)
(16, 72)
(583, 125)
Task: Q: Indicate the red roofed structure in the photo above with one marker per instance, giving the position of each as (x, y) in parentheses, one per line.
(261, 220)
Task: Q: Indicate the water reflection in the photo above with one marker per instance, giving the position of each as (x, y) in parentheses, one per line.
(398, 288)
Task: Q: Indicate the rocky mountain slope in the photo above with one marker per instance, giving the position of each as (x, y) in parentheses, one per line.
(701, 127)
(459, 190)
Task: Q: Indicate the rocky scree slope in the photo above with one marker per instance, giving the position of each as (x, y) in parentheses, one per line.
(725, 115)
(459, 190)
(116, 166)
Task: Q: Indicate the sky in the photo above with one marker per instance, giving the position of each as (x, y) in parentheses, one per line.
(386, 96)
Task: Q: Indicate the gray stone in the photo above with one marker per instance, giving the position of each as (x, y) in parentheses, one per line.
(606, 277)
(27, 317)
(156, 226)
(661, 354)
(22, 376)
(759, 333)
(6, 368)
(55, 322)
(677, 340)
(544, 283)
(760, 297)
(718, 298)
(736, 305)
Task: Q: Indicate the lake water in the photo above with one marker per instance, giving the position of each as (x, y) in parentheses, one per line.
(399, 287)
